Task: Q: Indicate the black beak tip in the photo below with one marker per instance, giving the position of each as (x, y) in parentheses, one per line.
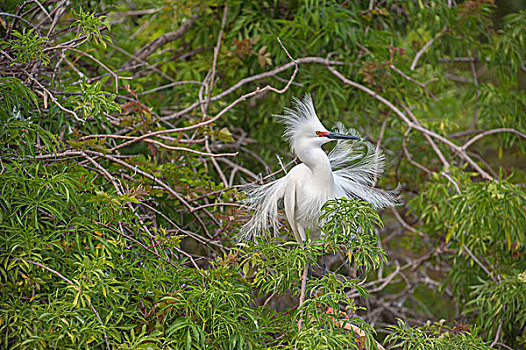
(338, 136)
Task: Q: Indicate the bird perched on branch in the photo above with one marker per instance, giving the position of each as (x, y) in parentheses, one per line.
(349, 170)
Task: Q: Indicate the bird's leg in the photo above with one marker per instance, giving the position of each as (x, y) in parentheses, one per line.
(353, 265)
(309, 276)
(308, 267)
(323, 265)
(309, 271)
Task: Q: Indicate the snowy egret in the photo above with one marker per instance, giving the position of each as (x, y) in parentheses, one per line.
(349, 170)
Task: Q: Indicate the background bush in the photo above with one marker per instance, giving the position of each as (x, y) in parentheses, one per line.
(129, 130)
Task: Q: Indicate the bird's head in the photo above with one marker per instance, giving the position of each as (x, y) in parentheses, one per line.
(304, 130)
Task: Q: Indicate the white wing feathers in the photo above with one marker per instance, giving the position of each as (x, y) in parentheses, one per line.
(356, 165)
(264, 201)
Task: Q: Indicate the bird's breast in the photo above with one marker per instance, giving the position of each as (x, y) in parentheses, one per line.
(311, 194)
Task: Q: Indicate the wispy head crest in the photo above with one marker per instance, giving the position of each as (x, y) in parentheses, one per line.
(300, 120)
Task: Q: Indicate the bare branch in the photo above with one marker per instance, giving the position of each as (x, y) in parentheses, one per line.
(165, 38)
(423, 86)
(51, 96)
(260, 76)
(429, 139)
(102, 324)
(408, 155)
(413, 125)
(52, 271)
(425, 47)
(175, 83)
(160, 144)
(115, 76)
(489, 132)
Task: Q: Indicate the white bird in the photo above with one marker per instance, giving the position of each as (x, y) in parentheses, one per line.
(349, 170)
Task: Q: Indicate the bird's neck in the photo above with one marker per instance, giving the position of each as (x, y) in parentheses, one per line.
(318, 162)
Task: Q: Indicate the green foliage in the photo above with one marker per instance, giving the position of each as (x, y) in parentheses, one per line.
(91, 101)
(95, 254)
(485, 216)
(326, 328)
(91, 25)
(435, 335)
(510, 45)
(212, 309)
(486, 225)
(315, 337)
(501, 108)
(18, 100)
(139, 301)
(350, 225)
(17, 137)
(27, 47)
(500, 304)
(18, 133)
(276, 265)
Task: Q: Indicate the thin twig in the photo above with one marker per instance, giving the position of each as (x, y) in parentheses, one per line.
(479, 263)
(497, 335)
(423, 86)
(160, 144)
(163, 39)
(293, 74)
(408, 155)
(220, 204)
(429, 139)
(219, 115)
(141, 61)
(216, 54)
(489, 132)
(106, 174)
(137, 242)
(20, 18)
(175, 83)
(477, 93)
(135, 169)
(52, 271)
(260, 76)
(141, 12)
(102, 324)
(402, 221)
(73, 284)
(115, 76)
(51, 96)
(425, 47)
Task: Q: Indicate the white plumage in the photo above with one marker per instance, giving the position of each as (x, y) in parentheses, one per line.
(348, 171)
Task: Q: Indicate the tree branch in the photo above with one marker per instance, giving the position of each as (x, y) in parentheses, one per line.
(165, 38)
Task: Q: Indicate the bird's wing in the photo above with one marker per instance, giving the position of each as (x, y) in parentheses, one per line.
(356, 166)
(290, 210)
(264, 201)
(379, 198)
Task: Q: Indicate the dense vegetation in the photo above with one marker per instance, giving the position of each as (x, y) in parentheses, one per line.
(128, 131)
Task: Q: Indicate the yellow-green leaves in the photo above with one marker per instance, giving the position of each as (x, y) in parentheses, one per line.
(28, 46)
(350, 225)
